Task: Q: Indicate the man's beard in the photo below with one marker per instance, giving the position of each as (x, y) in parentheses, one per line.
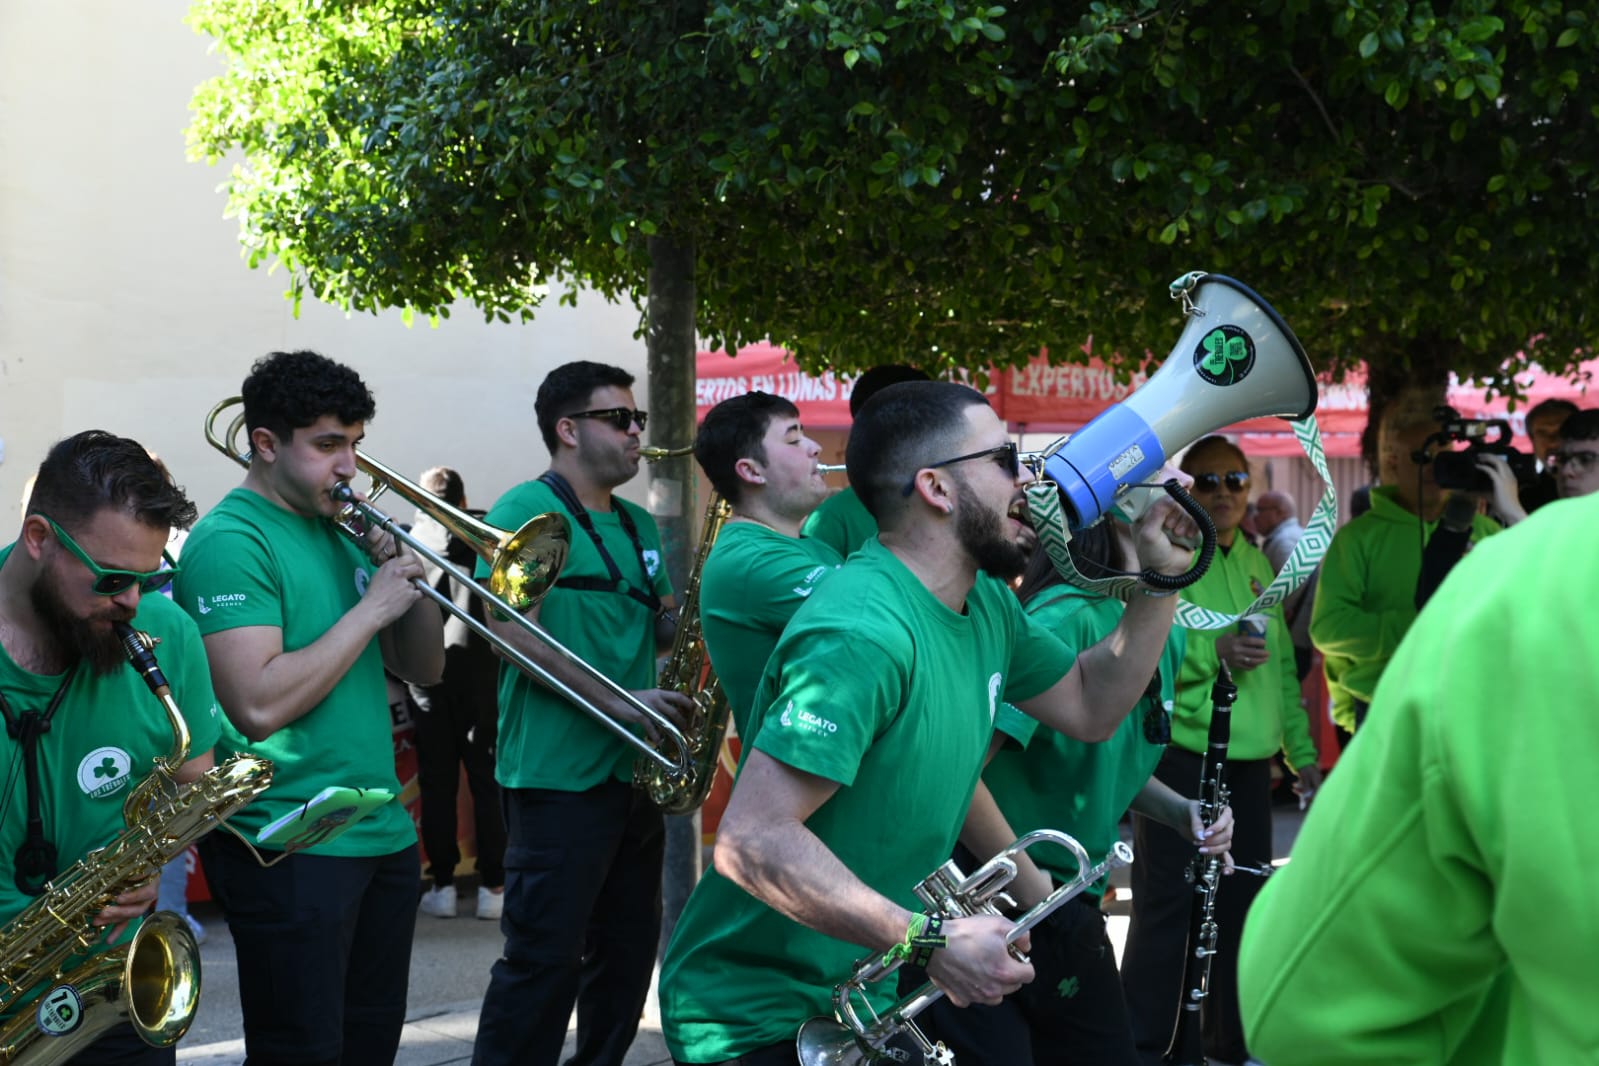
(982, 533)
(77, 638)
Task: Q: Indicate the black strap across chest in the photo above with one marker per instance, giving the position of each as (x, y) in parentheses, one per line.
(616, 584)
(36, 861)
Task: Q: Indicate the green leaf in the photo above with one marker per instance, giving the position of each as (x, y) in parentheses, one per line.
(1368, 46)
(1568, 37)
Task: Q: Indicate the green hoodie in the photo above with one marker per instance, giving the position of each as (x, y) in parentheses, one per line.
(1267, 717)
(1439, 906)
(1366, 597)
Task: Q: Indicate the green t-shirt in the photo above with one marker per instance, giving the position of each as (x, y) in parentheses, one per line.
(1439, 906)
(1366, 596)
(545, 742)
(102, 741)
(1267, 717)
(250, 562)
(842, 522)
(1062, 783)
(878, 686)
(753, 582)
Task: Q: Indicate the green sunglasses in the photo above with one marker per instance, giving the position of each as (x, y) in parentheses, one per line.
(109, 582)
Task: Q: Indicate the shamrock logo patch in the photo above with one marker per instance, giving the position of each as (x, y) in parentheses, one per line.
(104, 771)
(1068, 987)
(1225, 355)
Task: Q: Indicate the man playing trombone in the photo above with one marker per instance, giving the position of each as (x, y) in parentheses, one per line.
(875, 711)
(299, 623)
(582, 908)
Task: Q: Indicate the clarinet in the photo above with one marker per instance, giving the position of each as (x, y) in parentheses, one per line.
(1187, 1046)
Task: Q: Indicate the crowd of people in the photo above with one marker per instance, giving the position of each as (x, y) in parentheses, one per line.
(911, 681)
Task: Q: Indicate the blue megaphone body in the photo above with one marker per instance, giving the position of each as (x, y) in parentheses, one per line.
(1236, 359)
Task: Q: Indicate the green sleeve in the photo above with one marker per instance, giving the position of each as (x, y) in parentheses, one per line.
(825, 525)
(835, 691)
(1341, 623)
(191, 689)
(228, 582)
(1015, 726)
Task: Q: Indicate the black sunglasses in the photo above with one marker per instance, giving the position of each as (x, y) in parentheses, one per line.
(1236, 481)
(618, 418)
(1006, 455)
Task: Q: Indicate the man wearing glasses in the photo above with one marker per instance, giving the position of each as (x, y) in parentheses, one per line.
(1576, 461)
(874, 716)
(300, 622)
(81, 726)
(582, 907)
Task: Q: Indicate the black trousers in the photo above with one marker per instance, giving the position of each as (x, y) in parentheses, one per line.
(582, 920)
(324, 947)
(1071, 1013)
(457, 725)
(1157, 939)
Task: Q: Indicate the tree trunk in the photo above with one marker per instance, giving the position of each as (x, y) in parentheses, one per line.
(670, 342)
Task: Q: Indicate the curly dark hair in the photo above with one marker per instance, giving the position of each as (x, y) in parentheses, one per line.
(736, 429)
(567, 389)
(287, 391)
(94, 471)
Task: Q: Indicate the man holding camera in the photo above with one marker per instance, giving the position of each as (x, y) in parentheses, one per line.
(1366, 596)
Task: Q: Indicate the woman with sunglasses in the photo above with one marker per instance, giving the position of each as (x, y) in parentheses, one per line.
(1267, 718)
(1073, 1010)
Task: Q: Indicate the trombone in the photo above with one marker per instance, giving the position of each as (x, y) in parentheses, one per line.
(523, 567)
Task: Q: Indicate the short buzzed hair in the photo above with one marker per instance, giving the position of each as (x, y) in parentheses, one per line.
(900, 430)
(1584, 425)
(736, 429)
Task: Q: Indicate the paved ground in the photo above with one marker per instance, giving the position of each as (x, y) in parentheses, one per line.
(449, 973)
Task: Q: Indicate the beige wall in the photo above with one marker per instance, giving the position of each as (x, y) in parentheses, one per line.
(125, 304)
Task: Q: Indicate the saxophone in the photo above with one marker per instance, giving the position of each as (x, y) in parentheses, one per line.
(59, 1001)
(688, 670)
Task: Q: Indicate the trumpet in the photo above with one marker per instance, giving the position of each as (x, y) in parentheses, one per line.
(852, 1038)
(523, 566)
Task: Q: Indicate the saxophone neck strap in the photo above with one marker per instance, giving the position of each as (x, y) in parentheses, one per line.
(35, 862)
(617, 584)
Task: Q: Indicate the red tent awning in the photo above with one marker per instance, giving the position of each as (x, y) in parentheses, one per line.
(1041, 398)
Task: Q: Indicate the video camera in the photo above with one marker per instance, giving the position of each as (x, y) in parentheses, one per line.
(1458, 469)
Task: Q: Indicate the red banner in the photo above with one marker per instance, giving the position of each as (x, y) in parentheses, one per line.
(1041, 398)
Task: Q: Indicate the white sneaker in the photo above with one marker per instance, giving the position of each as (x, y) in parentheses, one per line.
(441, 902)
(195, 927)
(490, 905)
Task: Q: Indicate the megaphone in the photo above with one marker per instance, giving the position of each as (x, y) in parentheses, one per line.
(1236, 359)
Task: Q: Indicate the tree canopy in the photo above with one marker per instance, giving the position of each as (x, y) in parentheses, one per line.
(943, 182)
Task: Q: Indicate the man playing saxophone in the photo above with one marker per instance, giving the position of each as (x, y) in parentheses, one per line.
(81, 726)
(874, 716)
(584, 848)
(299, 623)
(760, 570)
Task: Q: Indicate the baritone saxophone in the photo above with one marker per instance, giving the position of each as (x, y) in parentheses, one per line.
(688, 670)
(59, 997)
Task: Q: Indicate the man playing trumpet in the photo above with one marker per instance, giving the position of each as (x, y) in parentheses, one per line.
(875, 713)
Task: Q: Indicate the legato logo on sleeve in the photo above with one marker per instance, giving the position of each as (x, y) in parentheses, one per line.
(810, 723)
(995, 683)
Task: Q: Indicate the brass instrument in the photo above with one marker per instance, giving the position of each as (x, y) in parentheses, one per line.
(61, 1001)
(523, 567)
(854, 1039)
(687, 670)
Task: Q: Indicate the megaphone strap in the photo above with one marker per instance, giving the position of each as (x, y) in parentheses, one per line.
(1049, 521)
